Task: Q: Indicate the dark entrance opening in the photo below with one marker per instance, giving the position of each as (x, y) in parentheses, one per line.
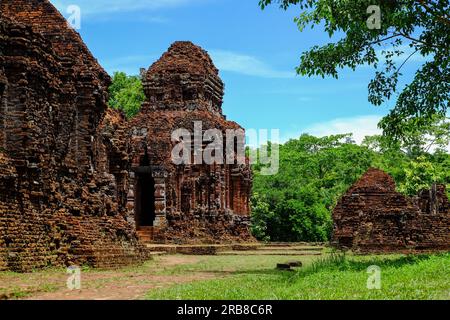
(145, 200)
(145, 194)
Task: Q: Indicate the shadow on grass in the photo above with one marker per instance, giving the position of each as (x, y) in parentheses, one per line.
(335, 261)
(341, 262)
(385, 262)
(267, 272)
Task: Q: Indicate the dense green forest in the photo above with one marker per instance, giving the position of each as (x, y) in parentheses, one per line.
(126, 93)
(296, 203)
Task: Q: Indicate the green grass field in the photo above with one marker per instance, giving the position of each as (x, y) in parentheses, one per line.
(333, 277)
(245, 276)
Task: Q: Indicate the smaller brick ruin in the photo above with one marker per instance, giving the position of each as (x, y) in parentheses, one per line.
(373, 217)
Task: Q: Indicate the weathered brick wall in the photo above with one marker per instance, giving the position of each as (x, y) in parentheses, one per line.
(80, 81)
(200, 203)
(67, 180)
(62, 181)
(372, 216)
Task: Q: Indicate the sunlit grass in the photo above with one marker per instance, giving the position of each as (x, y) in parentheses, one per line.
(335, 277)
(239, 264)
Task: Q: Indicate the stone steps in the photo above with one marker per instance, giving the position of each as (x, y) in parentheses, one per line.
(145, 234)
(158, 253)
(190, 249)
(289, 248)
(233, 249)
(270, 253)
(295, 244)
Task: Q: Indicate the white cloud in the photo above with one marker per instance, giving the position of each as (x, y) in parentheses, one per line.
(224, 61)
(246, 65)
(361, 127)
(91, 7)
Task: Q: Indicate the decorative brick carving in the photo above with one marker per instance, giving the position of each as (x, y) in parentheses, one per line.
(201, 203)
(372, 216)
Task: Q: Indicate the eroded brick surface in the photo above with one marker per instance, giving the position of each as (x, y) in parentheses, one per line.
(194, 203)
(77, 178)
(59, 177)
(373, 216)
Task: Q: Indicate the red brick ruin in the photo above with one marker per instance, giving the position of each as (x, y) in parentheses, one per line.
(373, 217)
(78, 182)
(192, 202)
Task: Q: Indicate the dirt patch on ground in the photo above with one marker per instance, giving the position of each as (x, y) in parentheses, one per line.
(123, 284)
(134, 282)
(118, 287)
(169, 261)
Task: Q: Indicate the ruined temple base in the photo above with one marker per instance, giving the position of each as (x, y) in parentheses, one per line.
(373, 217)
(250, 249)
(399, 250)
(201, 249)
(198, 229)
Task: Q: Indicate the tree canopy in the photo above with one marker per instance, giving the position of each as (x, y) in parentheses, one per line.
(126, 93)
(296, 204)
(407, 28)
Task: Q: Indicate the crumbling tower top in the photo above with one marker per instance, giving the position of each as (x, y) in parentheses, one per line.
(67, 44)
(374, 181)
(184, 78)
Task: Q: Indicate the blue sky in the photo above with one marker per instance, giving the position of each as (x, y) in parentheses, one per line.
(256, 51)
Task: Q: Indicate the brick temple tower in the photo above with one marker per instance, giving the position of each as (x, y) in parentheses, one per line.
(77, 180)
(61, 179)
(188, 202)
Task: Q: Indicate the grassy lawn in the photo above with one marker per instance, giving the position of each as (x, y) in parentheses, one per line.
(22, 285)
(235, 265)
(244, 276)
(334, 277)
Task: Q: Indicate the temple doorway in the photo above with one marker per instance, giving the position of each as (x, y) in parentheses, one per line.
(145, 200)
